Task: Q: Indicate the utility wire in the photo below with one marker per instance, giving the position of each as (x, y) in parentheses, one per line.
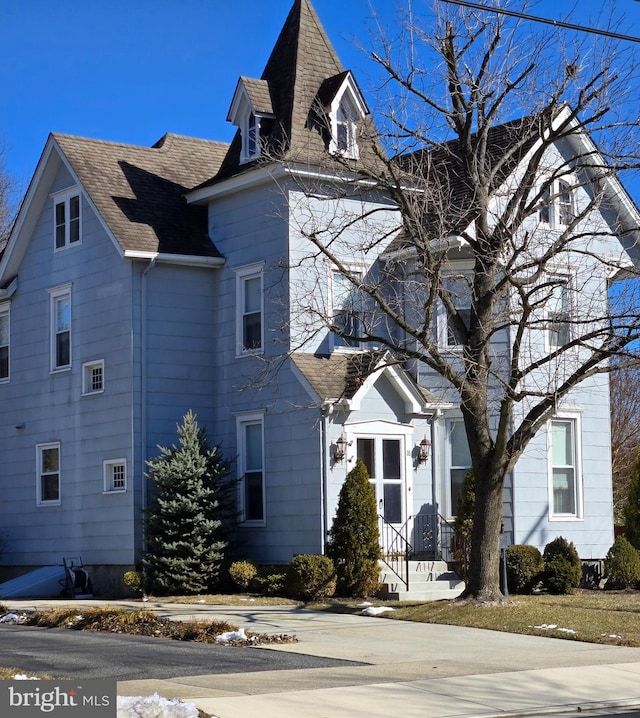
(548, 21)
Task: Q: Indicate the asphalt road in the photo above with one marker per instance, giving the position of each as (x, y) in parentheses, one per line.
(62, 653)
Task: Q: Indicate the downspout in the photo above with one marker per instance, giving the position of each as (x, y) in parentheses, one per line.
(325, 411)
(143, 392)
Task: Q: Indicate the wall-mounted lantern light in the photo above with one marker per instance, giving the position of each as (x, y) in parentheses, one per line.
(424, 449)
(341, 449)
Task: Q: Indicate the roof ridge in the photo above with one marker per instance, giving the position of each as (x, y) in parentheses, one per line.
(155, 146)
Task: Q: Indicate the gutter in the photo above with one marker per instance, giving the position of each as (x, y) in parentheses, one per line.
(184, 260)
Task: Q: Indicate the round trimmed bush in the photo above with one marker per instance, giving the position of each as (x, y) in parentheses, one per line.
(622, 565)
(133, 581)
(310, 577)
(562, 567)
(524, 567)
(242, 573)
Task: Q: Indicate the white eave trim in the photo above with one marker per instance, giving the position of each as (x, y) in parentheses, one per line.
(185, 260)
(10, 290)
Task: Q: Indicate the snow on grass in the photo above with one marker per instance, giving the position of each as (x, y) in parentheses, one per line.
(375, 610)
(552, 627)
(154, 706)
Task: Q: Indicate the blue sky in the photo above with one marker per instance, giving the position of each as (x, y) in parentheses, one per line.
(131, 70)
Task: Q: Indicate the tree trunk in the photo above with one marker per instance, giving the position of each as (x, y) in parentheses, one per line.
(483, 580)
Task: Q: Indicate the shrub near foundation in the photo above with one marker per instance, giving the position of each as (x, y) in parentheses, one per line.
(310, 577)
(524, 566)
(622, 565)
(242, 573)
(562, 568)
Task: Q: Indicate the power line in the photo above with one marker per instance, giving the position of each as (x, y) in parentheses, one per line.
(546, 20)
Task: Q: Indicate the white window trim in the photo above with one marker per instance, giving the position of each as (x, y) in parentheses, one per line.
(5, 310)
(54, 295)
(64, 197)
(87, 370)
(575, 418)
(107, 471)
(242, 420)
(552, 204)
(565, 275)
(332, 271)
(243, 274)
(352, 150)
(39, 449)
(442, 316)
(449, 508)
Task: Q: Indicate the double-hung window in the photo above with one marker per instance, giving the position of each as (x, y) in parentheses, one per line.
(459, 461)
(251, 466)
(249, 331)
(560, 211)
(60, 323)
(66, 211)
(347, 311)
(48, 474)
(559, 313)
(4, 343)
(565, 490)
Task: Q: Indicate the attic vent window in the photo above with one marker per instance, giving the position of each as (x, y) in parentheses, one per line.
(346, 130)
(250, 105)
(343, 108)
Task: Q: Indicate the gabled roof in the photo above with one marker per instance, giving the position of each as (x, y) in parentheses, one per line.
(139, 191)
(440, 167)
(302, 60)
(341, 377)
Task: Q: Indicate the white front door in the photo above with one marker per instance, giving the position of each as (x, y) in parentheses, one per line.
(384, 459)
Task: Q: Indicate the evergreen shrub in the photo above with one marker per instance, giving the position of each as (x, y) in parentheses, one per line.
(622, 565)
(631, 511)
(189, 516)
(310, 577)
(562, 567)
(354, 540)
(242, 573)
(524, 567)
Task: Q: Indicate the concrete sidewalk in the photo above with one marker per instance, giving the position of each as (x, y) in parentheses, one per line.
(411, 669)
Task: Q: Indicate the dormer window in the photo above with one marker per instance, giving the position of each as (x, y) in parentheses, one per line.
(251, 104)
(342, 107)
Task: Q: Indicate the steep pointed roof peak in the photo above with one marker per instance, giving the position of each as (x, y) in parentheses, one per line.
(302, 68)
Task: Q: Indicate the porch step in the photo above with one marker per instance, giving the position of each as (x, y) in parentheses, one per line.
(428, 581)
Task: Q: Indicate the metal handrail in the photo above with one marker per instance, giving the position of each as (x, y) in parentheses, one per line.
(397, 550)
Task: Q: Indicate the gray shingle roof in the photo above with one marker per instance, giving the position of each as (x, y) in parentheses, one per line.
(339, 376)
(259, 95)
(302, 60)
(139, 191)
(441, 169)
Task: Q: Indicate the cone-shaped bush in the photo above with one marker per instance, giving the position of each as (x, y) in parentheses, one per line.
(631, 510)
(186, 527)
(354, 542)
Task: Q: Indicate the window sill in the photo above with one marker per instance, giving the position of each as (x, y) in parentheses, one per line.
(92, 393)
(565, 517)
(48, 503)
(114, 491)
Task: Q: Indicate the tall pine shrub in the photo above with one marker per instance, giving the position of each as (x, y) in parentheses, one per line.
(354, 542)
(631, 510)
(186, 525)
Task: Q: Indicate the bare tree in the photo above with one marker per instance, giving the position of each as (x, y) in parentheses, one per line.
(7, 202)
(490, 241)
(625, 433)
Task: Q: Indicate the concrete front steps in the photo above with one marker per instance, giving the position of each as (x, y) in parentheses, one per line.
(428, 581)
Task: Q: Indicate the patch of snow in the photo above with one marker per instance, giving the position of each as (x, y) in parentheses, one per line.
(553, 627)
(238, 635)
(23, 677)
(9, 617)
(611, 635)
(154, 706)
(375, 610)
(365, 603)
